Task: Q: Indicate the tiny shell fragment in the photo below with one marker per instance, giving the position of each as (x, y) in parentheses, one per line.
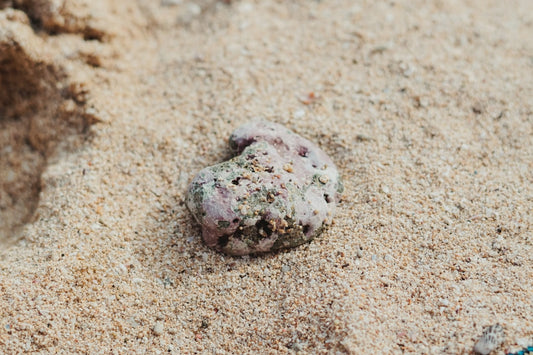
(492, 337)
(279, 192)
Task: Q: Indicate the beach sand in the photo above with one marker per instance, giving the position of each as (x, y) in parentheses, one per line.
(108, 109)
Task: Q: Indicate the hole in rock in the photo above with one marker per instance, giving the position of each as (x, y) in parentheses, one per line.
(264, 226)
(223, 241)
(303, 151)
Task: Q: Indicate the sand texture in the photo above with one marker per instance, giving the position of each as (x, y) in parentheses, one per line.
(109, 108)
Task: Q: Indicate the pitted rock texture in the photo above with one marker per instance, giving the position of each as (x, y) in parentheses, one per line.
(279, 192)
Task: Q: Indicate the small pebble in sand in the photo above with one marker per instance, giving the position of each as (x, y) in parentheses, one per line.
(491, 338)
(158, 328)
(279, 192)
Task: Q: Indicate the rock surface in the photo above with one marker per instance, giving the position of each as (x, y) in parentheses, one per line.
(279, 192)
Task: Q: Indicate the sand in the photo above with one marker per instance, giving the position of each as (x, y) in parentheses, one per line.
(108, 109)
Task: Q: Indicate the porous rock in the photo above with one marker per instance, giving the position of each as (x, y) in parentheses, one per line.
(280, 191)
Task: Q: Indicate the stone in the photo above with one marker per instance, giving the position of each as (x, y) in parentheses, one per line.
(278, 192)
(158, 328)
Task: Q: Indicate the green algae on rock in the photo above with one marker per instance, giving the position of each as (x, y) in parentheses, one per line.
(280, 191)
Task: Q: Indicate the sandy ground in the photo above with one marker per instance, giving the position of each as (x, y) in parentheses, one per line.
(109, 108)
